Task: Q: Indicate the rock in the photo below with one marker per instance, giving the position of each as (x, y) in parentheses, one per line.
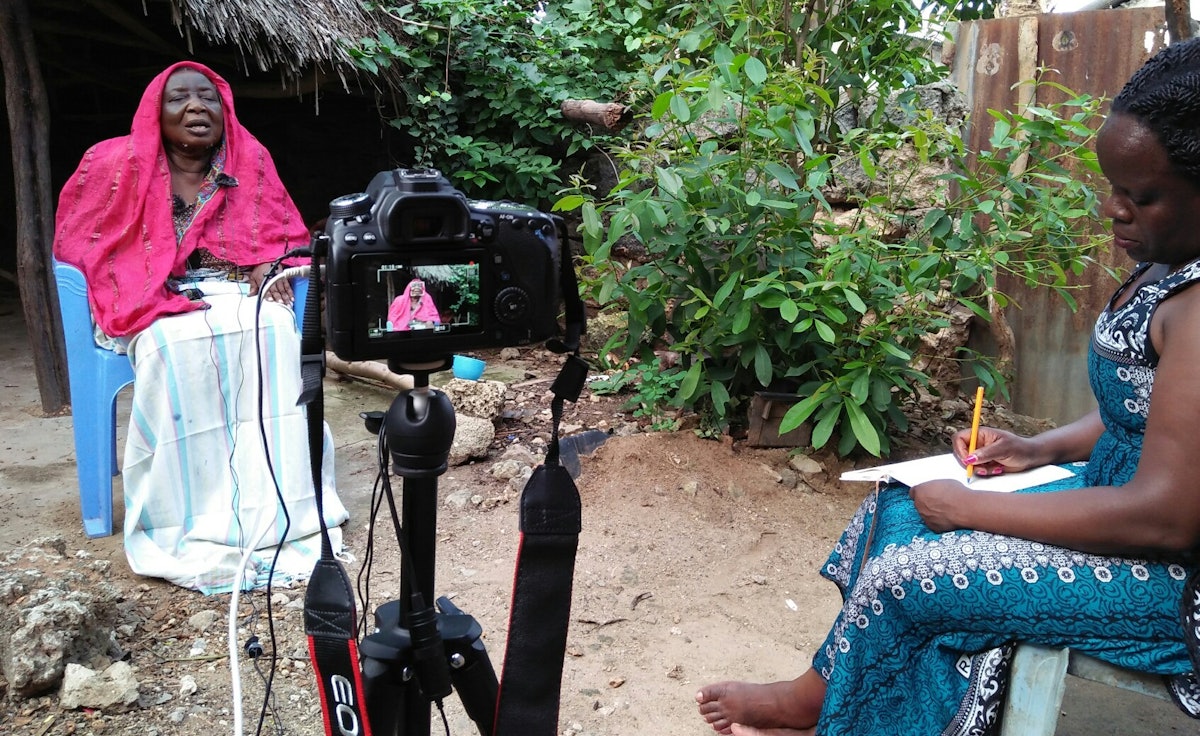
(203, 620)
(602, 327)
(472, 438)
(187, 686)
(805, 465)
(483, 399)
(508, 469)
(458, 499)
(84, 688)
(520, 453)
(54, 609)
(771, 473)
(518, 481)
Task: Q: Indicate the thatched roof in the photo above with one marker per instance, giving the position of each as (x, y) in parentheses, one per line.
(289, 35)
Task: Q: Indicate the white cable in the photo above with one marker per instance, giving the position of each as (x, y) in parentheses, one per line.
(290, 272)
(234, 667)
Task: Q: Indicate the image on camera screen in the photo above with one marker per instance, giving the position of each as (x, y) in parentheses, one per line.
(405, 299)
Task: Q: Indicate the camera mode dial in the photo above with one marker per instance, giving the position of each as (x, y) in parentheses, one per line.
(512, 305)
(351, 206)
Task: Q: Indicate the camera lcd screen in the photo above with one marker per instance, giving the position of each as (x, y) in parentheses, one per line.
(419, 296)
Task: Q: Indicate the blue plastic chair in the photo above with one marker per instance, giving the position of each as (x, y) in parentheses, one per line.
(1038, 681)
(96, 376)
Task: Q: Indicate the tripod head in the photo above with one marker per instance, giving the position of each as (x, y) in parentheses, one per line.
(419, 426)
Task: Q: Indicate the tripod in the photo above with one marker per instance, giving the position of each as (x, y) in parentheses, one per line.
(418, 655)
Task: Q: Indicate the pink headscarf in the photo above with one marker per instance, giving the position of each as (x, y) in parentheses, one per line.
(114, 217)
(401, 311)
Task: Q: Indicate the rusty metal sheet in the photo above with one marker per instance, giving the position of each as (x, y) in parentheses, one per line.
(1097, 51)
(985, 68)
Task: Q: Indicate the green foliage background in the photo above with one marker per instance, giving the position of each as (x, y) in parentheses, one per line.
(751, 279)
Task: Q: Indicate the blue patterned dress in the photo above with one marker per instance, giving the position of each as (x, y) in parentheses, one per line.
(926, 631)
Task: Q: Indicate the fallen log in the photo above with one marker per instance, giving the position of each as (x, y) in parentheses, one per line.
(609, 116)
(369, 370)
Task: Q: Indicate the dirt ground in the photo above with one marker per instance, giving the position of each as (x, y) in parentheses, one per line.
(697, 562)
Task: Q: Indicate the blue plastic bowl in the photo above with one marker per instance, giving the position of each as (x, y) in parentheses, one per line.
(468, 368)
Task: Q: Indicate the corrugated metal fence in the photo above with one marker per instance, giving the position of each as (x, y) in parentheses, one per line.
(1093, 52)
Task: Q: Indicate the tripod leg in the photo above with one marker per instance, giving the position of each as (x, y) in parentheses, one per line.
(386, 696)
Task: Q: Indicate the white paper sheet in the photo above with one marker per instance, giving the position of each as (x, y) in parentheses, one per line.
(940, 467)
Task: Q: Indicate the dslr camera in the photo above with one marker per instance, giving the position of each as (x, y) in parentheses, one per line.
(417, 271)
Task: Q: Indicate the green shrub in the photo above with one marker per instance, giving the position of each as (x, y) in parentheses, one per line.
(750, 278)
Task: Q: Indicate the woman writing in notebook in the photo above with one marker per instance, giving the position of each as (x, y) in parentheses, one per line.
(940, 581)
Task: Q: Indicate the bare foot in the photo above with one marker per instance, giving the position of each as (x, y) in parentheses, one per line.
(794, 704)
(740, 730)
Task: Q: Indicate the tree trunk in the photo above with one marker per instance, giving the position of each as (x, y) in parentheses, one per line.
(29, 129)
(609, 116)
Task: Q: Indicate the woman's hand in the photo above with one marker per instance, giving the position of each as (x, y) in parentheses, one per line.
(280, 291)
(997, 451)
(936, 502)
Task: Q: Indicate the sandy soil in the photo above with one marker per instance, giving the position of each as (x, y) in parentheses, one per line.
(696, 563)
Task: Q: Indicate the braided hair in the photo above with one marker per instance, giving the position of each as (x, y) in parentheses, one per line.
(1164, 95)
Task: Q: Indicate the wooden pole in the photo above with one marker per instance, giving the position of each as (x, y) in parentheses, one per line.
(29, 129)
(1179, 20)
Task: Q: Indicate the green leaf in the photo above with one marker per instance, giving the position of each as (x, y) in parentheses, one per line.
(591, 220)
(668, 180)
(687, 388)
(860, 389)
(855, 301)
(724, 292)
(764, 371)
(662, 103)
(680, 109)
(783, 175)
(756, 72)
(868, 165)
(825, 426)
(863, 430)
(825, 331)
(742, 320)
(802, 410)
(719, 394)
(895, 350)
(568, 203)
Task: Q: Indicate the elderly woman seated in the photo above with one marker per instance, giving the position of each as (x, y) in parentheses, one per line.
(175, 227)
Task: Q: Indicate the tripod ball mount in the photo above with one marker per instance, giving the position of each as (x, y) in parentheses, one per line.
(416, 654)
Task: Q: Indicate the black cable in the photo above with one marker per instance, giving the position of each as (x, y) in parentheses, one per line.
(287, 518)
(270, 695)
(364, 572)
(442, 713)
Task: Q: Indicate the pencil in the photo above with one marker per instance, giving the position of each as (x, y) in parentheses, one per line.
(975, 430)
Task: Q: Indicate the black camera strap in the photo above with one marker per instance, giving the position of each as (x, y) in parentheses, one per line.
(550, 522)
(330, 620)
(576, 317)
